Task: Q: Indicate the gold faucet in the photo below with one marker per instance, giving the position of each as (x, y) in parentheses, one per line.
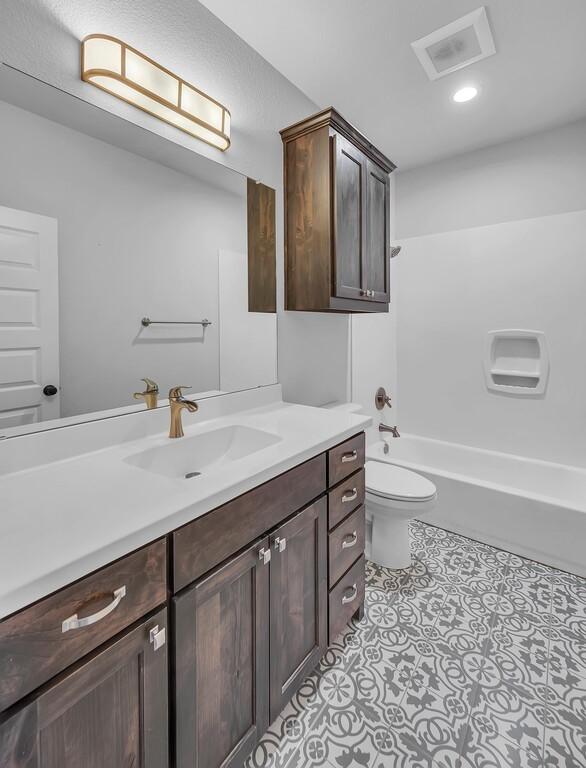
(177, 403)
(150, 395)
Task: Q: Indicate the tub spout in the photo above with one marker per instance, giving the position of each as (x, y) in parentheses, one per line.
(393, 430)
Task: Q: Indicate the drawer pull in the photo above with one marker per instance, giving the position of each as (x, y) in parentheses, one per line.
(350, 456)
(74, 623)
(158, 637)
(349, 540)
(280, 544)
(265, 555)
(350, 496)
(350, 595)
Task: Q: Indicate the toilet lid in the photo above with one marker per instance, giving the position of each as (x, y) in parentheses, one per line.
(392, 482)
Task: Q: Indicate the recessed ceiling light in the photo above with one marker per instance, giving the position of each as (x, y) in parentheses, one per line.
(465, 94)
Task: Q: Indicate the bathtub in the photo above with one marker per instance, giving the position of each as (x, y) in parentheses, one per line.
(533, 508)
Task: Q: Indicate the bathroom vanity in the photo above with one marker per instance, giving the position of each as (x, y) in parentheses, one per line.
(182, 651)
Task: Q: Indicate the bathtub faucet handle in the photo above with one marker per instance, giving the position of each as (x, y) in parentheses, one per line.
(393, 430)
(381, 399)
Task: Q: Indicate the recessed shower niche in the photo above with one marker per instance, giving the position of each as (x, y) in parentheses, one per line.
(516, 362)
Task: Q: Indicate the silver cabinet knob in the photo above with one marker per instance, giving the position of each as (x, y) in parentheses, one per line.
(265, 555)
(157, 637)
(280, 544)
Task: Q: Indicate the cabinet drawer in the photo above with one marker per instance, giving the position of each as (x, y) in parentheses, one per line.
(37, 643)
(346, 543)
(208, 541)
(346, 598)
(345, 497)
(345, 459)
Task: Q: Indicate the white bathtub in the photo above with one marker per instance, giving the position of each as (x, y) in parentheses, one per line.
(533, 508)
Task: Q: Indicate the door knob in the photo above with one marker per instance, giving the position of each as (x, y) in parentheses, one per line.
(50, 390)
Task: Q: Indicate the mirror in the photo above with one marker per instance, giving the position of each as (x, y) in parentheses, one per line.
(122, 256)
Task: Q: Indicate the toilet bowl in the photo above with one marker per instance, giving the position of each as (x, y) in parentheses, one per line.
(394, 496)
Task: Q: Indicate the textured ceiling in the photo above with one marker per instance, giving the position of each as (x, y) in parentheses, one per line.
(356, 54)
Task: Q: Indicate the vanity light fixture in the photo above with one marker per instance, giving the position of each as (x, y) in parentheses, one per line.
(465, 94)
(117, 68)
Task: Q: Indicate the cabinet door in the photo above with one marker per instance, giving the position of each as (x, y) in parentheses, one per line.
(349, 226)
(108, 711)
(299, 599)
(377, 233)
(221, 662)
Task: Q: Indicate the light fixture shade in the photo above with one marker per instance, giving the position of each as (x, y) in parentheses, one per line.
(119, 69)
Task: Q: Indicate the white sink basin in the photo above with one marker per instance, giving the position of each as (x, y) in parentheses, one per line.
(192, 455)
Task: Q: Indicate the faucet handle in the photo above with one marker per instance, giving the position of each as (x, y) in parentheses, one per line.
(151, 386)
(381, 399)
(150, 394)
(176, 392)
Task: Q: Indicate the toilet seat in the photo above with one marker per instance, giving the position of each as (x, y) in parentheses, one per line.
(388, 481)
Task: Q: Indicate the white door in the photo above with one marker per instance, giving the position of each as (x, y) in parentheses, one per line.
(29, 319)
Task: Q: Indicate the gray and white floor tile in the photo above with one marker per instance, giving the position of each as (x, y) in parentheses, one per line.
(472, 658)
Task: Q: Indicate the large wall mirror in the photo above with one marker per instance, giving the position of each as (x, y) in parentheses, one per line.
(122, 257)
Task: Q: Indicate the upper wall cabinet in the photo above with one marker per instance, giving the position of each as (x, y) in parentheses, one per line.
(337, 204)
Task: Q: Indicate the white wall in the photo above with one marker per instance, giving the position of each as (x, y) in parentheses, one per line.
(494, 239)
(535, 176)
(42, 37)
(135, 239)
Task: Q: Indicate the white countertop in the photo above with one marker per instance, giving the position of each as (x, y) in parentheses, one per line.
(63, 520)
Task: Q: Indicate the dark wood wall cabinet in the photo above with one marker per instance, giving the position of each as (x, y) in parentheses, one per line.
(337, 207)
(254, 590)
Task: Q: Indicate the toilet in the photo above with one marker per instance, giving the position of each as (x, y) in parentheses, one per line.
(394, 496)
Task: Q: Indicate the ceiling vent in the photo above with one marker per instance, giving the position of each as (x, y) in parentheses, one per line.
(463, 42)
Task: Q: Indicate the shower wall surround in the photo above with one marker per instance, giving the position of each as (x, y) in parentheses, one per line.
(494, 240)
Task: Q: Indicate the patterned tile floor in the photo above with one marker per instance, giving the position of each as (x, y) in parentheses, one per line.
(473, 658)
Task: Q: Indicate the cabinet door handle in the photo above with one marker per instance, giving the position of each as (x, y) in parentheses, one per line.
(348, 596)
(351, 456)
(350, 496)
(158, 637)
(265, 555)
(280, 544)
(74, 623)
(349, 540)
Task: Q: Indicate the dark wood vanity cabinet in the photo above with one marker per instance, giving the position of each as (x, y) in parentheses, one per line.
(222, 662)
(246, 637)
(108, 711)
(255, 589)
(337, 207)
(298, 601)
